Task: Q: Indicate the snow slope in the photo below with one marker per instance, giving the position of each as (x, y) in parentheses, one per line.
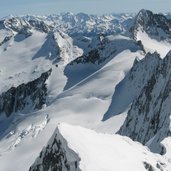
(16, 64)
(152, 45)
(82, 104)
(134, 81)
(107, 152)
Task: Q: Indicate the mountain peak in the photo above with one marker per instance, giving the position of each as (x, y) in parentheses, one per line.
(143, 17)
(144, 11)
(148, 119)
(157, 26)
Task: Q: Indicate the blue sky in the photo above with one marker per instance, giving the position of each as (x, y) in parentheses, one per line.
(87, 6)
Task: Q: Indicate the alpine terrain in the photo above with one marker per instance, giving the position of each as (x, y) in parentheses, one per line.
(85, 92)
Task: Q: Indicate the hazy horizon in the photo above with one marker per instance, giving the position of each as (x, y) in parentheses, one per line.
(98, 7)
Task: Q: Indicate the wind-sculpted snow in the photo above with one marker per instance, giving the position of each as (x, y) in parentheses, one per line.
(148, 120)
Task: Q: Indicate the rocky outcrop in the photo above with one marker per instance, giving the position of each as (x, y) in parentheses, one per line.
(92, 57)
(107, 47)
(155, 25)
(56, 156)
(149, 119)
(25, 97)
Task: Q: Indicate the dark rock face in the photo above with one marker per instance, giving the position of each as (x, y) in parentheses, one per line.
(148, 120)
(91, 57)
(155, 25)
(56, 156)
(25, 97)
(54, 159)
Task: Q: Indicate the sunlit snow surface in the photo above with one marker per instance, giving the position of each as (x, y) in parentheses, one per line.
(108, 152)
(84, 104)
(152, 45)
(17, 66)
(98, 151)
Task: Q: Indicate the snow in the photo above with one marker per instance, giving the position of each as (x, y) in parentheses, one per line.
(4, 33)
(152, 45)
(68, 51)
(82, 104)
(166, 143)
(113, 124)
(132, 84)
(108, 152)
(16, 63)
(79, 96)
(55, 83)
(151, 105)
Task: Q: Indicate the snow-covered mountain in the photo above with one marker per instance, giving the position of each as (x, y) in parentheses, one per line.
(65, 147)
(87, 25)
(157, 26)
(107, 73)
(138, 76)
(153, 31)
(148, 119)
